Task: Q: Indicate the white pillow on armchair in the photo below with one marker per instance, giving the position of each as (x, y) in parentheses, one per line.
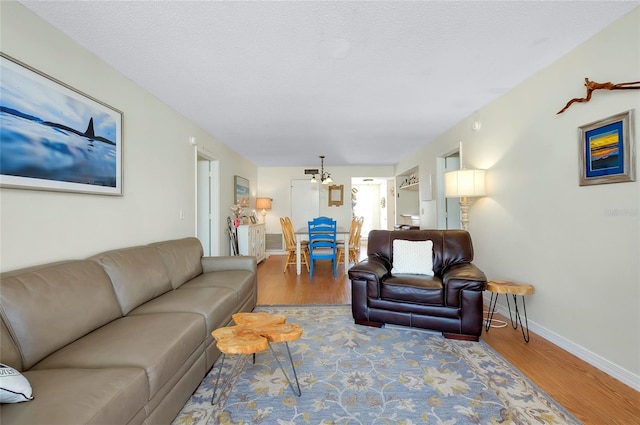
(412, 257)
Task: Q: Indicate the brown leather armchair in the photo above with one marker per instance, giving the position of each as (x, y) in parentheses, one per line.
(450, 301)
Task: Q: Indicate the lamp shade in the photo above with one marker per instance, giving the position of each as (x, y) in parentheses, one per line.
(263, 203)
(464, 183)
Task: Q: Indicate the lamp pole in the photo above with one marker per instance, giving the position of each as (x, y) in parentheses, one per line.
(464, 212)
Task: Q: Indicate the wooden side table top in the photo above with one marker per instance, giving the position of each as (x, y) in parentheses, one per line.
(508, 287)
(253, 332)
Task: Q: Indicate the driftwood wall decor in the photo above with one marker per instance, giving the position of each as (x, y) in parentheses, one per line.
(593, 86)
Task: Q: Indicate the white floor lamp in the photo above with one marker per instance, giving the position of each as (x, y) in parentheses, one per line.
(464, 184)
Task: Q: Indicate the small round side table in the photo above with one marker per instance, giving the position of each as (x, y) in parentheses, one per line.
(497, 287)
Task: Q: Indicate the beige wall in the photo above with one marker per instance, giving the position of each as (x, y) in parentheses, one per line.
(159, 162)
(537, 225)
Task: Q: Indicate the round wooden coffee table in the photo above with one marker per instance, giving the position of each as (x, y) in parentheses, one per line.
(254, 332)
(506, 287)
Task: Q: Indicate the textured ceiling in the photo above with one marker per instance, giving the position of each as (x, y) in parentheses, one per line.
(363, 83)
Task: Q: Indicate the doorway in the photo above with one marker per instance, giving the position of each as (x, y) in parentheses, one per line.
(207, 204)
(448, 208)
(371, 199)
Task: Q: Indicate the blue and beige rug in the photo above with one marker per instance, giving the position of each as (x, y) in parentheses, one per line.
(353, 374)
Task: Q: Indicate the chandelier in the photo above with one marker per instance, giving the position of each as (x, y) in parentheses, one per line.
(325, 178)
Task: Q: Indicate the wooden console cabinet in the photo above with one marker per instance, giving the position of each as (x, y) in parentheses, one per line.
(251, 240)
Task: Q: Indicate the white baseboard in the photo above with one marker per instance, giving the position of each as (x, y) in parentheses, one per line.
(582, 353)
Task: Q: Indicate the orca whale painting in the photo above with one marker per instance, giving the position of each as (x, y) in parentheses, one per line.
(53, 137)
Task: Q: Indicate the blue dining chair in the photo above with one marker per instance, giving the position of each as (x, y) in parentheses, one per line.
(322, 243)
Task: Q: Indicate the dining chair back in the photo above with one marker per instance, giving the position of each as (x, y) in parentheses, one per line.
(354, 242)
(322, 242)
(354, 250)
(290, 244)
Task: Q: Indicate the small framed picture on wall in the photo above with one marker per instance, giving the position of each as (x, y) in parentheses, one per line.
(607, 150)
(241, 191)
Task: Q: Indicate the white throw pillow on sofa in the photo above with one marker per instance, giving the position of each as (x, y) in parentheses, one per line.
(14, 387)
(412, 257)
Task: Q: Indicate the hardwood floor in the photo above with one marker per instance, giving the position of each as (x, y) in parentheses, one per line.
(590, 395)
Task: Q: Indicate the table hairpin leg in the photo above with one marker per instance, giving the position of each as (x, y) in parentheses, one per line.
(489, 320)
(516, 318)
(492, 309)
(215, 387)
(299, 392)
(229, 380)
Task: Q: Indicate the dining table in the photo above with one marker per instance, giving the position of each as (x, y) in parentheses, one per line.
(303, 234)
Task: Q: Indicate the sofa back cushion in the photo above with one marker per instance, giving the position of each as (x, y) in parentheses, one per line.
(47, 307)
(137, 275)
(182, 259)
(449, 246)
(9, 353)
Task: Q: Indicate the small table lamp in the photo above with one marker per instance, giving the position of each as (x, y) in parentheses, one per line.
(464, 184)
(263, 204)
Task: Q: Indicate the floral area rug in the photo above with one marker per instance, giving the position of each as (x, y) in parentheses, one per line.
(352, 374)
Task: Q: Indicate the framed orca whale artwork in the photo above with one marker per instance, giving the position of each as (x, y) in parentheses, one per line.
(55, 137)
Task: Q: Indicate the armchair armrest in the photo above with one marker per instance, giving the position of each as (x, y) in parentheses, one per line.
(462, 277)
(371, 270)
(211, 264)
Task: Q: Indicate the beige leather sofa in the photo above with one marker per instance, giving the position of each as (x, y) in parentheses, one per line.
(123, 337)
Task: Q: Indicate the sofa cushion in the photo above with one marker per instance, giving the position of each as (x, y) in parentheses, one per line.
(420, 289)
(14, 387)
(57, 295)
(412, 257)
(137, 274)
(215, 306)
(81, 396)
(182, 258)
(9, 353)
(242, 282)
(157, 343)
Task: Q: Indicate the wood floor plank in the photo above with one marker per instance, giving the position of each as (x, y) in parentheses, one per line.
(591, 395)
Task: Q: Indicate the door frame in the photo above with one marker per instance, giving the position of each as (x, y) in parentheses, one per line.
(441, 168)
(213, 202)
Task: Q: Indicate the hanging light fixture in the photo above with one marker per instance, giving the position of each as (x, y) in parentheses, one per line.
(325, 178)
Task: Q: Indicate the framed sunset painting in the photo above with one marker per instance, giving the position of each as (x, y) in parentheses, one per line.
(55, 137)
(607, 150)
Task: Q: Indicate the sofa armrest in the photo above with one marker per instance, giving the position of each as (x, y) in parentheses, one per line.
(372, 271)
(462, 277)
(212, 264)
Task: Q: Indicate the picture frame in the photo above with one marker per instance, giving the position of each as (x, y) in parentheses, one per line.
(55, 137)
(336, 195)
(253, 219)
(241, 191)
(607, 150)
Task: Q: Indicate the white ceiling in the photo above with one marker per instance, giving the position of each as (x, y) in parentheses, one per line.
(363, 83)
